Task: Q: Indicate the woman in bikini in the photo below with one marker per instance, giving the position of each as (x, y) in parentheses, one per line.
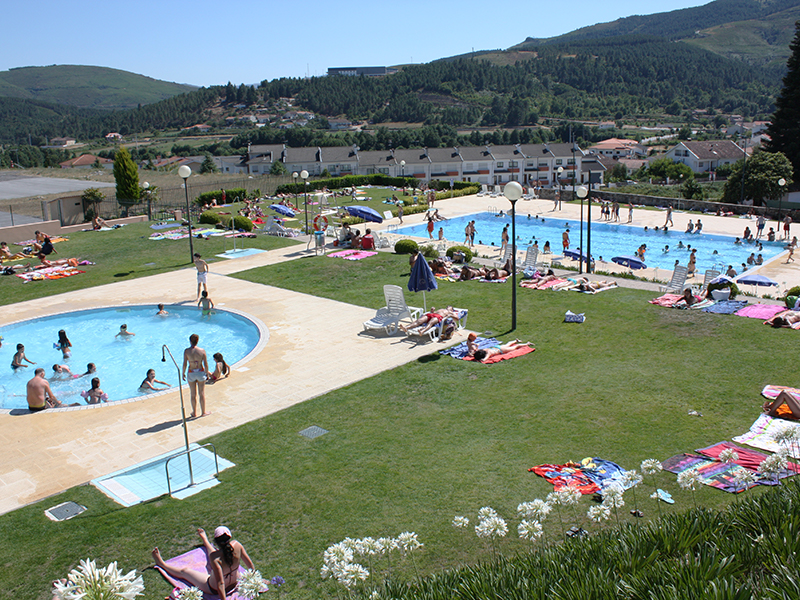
(149, 380)
(223, 564)
(481, 355)
(222, 369)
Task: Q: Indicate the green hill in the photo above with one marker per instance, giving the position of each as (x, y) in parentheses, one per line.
(86, 87)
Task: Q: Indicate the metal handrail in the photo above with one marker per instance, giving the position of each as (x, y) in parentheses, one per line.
(189, 451)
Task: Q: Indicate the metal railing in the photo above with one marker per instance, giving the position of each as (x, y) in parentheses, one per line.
(187, 453)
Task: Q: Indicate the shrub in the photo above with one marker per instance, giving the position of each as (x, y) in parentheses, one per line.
(230, 196)
(795, 291)
(209, 218)
(429, 251)
(406, 247)
(239, 222)
(467, 252)
(725, 284)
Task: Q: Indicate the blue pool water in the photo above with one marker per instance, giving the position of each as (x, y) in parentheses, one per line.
(121, 364)
(608, 240)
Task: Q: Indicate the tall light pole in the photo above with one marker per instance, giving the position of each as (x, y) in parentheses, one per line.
(781, 183)
(403, 170)
(304, 177)
(559, 172)
(146, 188)
(583, 192)
(295, 175)
(185, 171)
(513, 192)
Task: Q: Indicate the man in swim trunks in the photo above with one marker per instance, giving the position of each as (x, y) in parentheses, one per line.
(40, 396)
(202, 274)
(430, 320)
(565, 239)
(197, 361)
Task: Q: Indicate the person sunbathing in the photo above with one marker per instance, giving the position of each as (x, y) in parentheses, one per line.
(494, 274)
(595, 286)
(482, 355)
(430, 320)
(540, 283)
(441, 267)
(687, 299)
(5, 253)
(98, 223)
(786, 318)
(775, 408)
(468, 272)
(222, 570)
(570, 283)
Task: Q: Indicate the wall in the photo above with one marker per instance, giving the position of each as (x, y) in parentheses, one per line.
(19, 233)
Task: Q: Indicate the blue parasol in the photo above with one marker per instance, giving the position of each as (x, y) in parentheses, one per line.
(575, 254)
(629, 261)
(422, 278)
(756, 280)
(366, 213)
(283, 210)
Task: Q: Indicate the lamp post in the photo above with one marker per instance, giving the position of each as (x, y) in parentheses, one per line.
(295, 175)
(185, 171)
(304, 177)
(403, 174)
(146, 188)
(583, 192)
(781, 183)
(513, 192)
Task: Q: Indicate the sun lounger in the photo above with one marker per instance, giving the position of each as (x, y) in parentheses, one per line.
(396, 310)
(675, 286)
(435, 332)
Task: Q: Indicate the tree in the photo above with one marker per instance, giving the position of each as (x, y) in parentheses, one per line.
(784, 130)
(127, 177)
(761, 175)
(91, 198)
(663, 168)
(619, 172)
(278, 168)
(208, 165)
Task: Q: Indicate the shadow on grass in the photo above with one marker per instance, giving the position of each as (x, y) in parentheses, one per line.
(429, 358)
(123, 274)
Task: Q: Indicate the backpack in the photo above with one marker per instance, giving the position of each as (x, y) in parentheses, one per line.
(448, 329)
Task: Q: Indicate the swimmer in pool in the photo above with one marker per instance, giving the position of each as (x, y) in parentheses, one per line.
(95, 395)
(16, 362)
(206, 304)
(161, 312)
(64, 344)
(61, 370)
(149, 380)
(197, 362)
(90, 369)
(124, 333)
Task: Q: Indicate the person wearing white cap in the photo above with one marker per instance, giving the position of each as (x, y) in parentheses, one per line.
(223, 564)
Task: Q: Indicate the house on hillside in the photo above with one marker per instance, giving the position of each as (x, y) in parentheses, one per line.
(705, 157)
(87, 161)
(113, 137)
(618, 148)
(62, 142)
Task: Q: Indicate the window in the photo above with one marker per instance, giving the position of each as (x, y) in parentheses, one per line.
(468, 167)
(570, 161)
(500, 164)
(543, 165)
(512, 163)
(558, 161)
(530, 165)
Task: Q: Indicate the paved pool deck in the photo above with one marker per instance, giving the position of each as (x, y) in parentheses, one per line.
(52, 451)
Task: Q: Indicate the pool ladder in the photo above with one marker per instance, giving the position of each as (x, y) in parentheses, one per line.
(189, 458)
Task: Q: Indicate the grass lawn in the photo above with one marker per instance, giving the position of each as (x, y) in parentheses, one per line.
(412, 447)
(122, 254)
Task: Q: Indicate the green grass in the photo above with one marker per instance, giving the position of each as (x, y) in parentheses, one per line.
(412, 447)
(122, 254)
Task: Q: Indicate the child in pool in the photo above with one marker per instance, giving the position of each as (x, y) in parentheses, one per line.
(16, 362)
(61, 370)
(206, 304)
(124, 333)
(149, 380)
(95, 395)
(222, 369)
(63, 344)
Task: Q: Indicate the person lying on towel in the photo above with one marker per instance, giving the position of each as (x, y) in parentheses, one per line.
(776, 408)
(787, 318)
(481, 355)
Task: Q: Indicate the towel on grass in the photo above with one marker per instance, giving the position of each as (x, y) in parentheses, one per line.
(501, 280)
(544, 286)
(352, 254)
(54, 239)
(749, 459)
(196, 559)
(49, 273)
(597, 291)
(702, 304)
(772, 391)
(725, 307)
(712, 472)
(762, 434)
(784, 313)
(496, 358)
(760, 311)
(159, 226)
(667, 300)
(566, 476)
(459, 351)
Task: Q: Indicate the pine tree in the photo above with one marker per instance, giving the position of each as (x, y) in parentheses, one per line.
(127, 177)
(784, 130)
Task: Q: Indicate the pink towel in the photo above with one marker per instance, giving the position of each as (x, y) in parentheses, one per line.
(666, 299)
(196, 559)
(760, 311)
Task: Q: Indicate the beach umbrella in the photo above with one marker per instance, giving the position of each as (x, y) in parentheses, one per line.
(756, 280)
(366, 213)
(629, 261)
(282, 210)
(422, 278)
(575, 254)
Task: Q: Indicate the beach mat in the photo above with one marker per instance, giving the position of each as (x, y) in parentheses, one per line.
(762, 434)
(508, 356)
(760, 311)
(196, 559)
(459, 351)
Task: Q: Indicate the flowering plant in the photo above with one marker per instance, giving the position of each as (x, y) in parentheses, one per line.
(87, 582)
(190, 593)
(250, 584)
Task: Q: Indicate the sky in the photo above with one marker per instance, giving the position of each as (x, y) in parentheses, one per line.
(207, 43)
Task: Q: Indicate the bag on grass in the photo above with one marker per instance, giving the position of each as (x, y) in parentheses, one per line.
(571, 317)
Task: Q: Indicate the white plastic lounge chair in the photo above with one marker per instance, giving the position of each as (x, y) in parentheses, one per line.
(381, 242)
(531, 259)
(675, 286)
(396, 310)
(506, 257)
(273, 228)
(435, 332)
(484, 190)
(709, 276)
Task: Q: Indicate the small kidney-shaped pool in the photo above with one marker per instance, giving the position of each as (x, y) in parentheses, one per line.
(121, 363)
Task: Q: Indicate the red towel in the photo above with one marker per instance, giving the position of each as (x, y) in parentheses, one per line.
(498, 357)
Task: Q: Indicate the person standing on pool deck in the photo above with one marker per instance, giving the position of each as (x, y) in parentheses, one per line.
(202, 273)
(197, 361)
(669, 216)
(760, 223)
(630, 212)
(786, 226)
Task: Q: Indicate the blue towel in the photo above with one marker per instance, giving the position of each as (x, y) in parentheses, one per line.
(460, 350)
(726, 307)
(158, 226)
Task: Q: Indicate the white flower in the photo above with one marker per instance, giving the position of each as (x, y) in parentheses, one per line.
(536, 510)
(729, 455)
(773, 464)
(631, 479)
(493, 527)
(408, 542)
(787, 435)
(599, 513)
(651, 466)
(688, 480)
(612, 496)
(89, 582)
(460, 522)
(350, 543)
(564, 497)
(374, 595)
(529, 530)
(571, 496)
(326, 572)
(486, 512)
(351, 574)
(744, 478)
(385, 545)
(337, 554)
(367, 545)
(654, 495)
(190, 593)
(250, 584)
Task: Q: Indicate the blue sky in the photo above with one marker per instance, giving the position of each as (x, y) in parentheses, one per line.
(209, 43)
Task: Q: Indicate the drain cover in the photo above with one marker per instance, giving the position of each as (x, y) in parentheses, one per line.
(64, 511)
(313, 432)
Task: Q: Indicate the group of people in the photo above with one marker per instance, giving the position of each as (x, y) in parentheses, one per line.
(350, 238)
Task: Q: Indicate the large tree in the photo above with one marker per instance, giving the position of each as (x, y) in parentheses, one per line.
(126, 174)
(761, 176)
(784, 130)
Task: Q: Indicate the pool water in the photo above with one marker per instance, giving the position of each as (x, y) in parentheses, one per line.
(608, 240)
(121, 363)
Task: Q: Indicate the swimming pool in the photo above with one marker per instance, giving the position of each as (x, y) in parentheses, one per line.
(121, 364)
(608, 240)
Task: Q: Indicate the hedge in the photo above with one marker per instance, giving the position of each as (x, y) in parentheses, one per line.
(209, 217)
(336, 183)
(230, 195)
(406, 247)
